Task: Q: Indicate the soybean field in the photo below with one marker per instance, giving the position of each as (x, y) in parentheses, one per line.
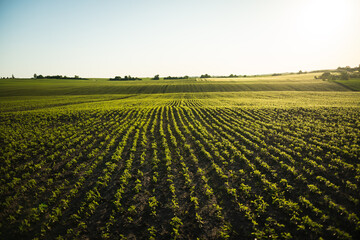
(179, 164)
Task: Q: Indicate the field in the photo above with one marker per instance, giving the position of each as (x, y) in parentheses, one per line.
(353, 84)
(246, 158)
(51, 87)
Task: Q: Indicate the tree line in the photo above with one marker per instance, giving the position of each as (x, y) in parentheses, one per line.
(184, 77)
(125, 78)
(341, 73)
(57, 77)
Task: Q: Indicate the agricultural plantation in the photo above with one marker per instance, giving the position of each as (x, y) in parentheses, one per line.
(243, 158)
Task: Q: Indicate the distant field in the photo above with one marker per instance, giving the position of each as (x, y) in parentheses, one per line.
(290, 78)
(265, 158)
(353, 84)
(259, 99)
(294, 82)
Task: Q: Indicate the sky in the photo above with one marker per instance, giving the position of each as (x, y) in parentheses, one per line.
(107, 38)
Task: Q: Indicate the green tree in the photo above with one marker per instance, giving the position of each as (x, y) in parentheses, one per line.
(326, 75)
(205, 76)
(344, 75)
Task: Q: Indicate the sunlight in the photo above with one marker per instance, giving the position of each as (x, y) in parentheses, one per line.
(323, 18)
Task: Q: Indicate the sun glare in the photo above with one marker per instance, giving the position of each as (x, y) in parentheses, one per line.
(323, 18)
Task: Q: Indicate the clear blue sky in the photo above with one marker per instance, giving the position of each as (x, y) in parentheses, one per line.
(94, 38)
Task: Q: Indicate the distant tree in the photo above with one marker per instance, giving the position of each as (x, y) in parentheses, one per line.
(12, 76)
(169, 77)
(344, 75)
(205, 76)
(326, 76)
(300, 72)
(349, 69)
(126, 78)
(58, 77)
(156, 77)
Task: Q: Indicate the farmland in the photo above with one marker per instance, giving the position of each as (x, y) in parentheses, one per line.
(52, 87)
(265, 158)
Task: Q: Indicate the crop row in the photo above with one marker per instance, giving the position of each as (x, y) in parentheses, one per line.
(181, 171)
